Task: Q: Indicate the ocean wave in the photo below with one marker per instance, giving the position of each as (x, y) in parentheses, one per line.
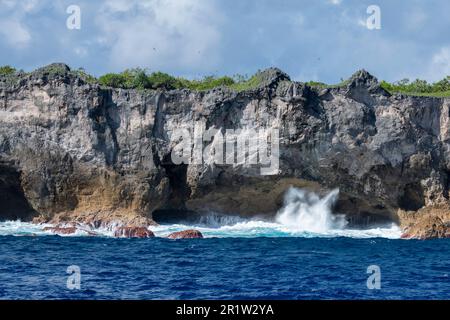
(255, 228)
(304, 214)
(247, 229)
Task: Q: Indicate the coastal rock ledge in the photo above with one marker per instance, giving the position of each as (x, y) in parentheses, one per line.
(73, 151)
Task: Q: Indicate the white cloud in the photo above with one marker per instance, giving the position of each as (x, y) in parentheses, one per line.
(8, 4)
(297, 20)
(442, 58)
(335, 2)
(115, 6)
(30, 5)
(12, 26)
(81, 52)
(362, 23)
(161, 34)
(23, 6)
(15, 33)
(440, 64)
(415, 19)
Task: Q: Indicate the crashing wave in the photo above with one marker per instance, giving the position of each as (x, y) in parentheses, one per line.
(304, 214)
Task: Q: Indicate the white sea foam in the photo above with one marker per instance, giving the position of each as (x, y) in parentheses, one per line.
(306, 211)
(256, 228)
(304, 214)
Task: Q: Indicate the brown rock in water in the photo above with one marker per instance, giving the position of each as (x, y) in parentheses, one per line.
(133, 232)
(187, 234)
(61, 230)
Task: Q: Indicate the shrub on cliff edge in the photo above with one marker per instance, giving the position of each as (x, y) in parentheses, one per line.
(7, 70)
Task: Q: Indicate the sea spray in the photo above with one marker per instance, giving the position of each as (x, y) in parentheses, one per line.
(304, 214)
(306, 211)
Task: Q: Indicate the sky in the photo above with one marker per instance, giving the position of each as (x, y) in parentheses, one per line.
(319, 40)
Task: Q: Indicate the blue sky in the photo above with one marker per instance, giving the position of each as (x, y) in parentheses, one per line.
(322, 40)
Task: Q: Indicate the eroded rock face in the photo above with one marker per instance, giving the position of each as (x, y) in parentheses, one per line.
(79, 150)
(187, 234)
(133, 232)
(427, 223)
(73, 151)
(428, 228)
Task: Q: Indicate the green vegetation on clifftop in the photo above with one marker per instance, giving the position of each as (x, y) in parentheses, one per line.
(419, 87)
(7, 70)
(139, 78)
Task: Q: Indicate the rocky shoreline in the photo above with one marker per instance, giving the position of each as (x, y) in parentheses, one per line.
(75, 152)
(118, 231)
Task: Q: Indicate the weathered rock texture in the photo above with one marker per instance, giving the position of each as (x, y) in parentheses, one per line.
(73, 151)
(186, 234)
(133, 232)
(427, 223)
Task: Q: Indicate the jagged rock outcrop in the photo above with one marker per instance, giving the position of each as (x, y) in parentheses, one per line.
(427, 223)
(74, 151)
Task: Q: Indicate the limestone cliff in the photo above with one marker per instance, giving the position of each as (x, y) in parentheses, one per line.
(75, 151)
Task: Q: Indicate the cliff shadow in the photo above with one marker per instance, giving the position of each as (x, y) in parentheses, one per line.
(105, 122)
(175, 210)
(14, 204)
(179, 189)
(412, 198)
(361, 213)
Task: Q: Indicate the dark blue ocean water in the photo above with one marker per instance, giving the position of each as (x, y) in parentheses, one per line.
(223, 268)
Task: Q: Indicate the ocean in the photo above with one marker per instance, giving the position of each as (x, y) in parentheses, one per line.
(226, 267)
(304, 253)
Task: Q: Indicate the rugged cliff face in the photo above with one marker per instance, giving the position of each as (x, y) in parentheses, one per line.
(73, 151)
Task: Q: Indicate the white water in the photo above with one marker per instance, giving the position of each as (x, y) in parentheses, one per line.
(304, 214)
(306, 211)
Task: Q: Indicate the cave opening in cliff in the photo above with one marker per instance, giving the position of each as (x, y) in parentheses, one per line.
(174, 216)
(175, 210)
(177, 174)
(14, 204)
(412, 198)
(362, 214)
